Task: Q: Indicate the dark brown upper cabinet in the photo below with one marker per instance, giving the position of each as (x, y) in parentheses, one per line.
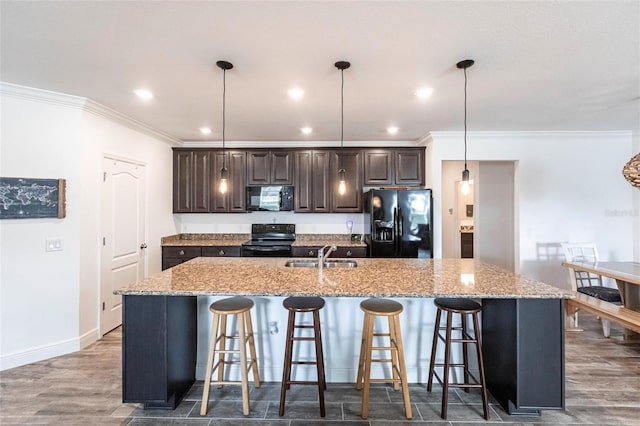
(401, 166)
(314, 174)
(196, 176)
(409, 166)
(351, 162)
(311, 181)
(191, 171)
(269, 167)
(378, 167)
(234, 201)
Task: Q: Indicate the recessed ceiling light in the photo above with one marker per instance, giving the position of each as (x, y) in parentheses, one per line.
(143, 94)
(392, 130)
(205, 130)
(424, 92)
(306, 130)
(296, 93)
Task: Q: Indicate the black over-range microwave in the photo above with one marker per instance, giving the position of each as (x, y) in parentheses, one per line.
(272, 198)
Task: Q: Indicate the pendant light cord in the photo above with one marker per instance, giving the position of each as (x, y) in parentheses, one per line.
(465, 119)
(341, 117)
(224, 103)
(342, 111)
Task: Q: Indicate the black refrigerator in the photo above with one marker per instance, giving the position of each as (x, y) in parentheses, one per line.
(399, 223)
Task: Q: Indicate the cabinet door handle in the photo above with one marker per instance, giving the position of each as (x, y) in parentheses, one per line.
(181, 252)
(143, 246)
(348, 253)
(221, 252)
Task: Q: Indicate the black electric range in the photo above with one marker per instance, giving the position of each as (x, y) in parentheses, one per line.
(270, 240)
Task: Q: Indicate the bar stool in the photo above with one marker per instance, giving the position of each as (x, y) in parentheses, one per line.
(239, 306)
(298, 305)
(463, 307)
(390, 309)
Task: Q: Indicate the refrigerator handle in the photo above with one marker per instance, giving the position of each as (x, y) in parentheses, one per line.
(400, 223)
(395, 231)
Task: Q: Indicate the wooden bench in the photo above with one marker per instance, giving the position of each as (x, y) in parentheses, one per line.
(619, 314)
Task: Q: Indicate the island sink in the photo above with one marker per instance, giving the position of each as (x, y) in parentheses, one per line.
(340, 263)
(333, 263)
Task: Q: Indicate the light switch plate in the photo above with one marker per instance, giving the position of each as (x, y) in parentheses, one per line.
(53, 244)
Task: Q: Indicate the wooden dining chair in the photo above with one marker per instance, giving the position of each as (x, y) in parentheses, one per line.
(589, 283)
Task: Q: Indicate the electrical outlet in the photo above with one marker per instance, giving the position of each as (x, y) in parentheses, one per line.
(53, 244)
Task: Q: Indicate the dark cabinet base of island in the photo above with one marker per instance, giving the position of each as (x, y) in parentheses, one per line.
(159, 340)
(522, 340)
(523, 351)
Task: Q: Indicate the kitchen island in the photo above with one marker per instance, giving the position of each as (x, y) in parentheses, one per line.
(522, 319)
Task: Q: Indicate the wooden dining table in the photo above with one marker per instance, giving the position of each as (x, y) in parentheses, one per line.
(626, 275)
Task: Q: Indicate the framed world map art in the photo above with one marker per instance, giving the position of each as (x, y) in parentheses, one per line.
(23, 198)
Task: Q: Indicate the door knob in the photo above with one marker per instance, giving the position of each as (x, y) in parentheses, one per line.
(143, 246)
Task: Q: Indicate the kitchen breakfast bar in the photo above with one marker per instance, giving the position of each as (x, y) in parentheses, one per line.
(522, 319)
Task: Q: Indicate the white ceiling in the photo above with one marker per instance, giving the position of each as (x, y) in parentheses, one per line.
(540, 65)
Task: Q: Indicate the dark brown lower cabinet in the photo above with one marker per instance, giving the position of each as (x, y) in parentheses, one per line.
(341, 252)
(172, 255)
(221, 251)
(466, 245)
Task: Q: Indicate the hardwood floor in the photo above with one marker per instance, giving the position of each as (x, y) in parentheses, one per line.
(84, 388)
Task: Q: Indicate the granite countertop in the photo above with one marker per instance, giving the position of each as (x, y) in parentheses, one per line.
(371, 278)
(203, 240)
(302, 240)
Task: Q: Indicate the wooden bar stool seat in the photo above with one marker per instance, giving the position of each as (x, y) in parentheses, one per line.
(299, 305)
(241, 307)
(463, 307)
(390, 309)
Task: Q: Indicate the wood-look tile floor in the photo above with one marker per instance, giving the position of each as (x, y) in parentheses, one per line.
(84, 388)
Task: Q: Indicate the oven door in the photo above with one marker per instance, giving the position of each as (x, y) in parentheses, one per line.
(266, 251)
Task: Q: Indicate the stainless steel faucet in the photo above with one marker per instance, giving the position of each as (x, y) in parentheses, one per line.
(322, 255)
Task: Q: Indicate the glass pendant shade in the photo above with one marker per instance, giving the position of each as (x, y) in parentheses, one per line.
(342, 186)
(224, 181)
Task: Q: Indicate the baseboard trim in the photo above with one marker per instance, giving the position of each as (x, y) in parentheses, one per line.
(89, 337)
(39, 353)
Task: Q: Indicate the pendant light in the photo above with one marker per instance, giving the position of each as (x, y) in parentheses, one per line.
(463, 65)
(224, 172)
(631, 171)
(342, 186)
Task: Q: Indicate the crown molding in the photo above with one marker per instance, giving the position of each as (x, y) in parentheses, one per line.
(119, 118)
(86, 105)
(298, 144)
(535, 134)
(41, 95)
(425, 139)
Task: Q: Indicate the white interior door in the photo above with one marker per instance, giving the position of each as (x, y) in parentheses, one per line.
(123, 235)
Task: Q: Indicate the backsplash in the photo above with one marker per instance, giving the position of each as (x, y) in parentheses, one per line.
(324, 237)
(240, 223)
